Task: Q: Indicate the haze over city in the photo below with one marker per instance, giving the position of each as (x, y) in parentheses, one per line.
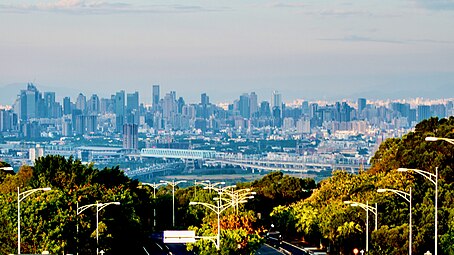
(304, 49)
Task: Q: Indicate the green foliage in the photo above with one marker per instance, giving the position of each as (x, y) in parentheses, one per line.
(49, 219)
(324, 213)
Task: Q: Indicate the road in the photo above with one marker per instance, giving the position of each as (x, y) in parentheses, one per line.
(268, 250)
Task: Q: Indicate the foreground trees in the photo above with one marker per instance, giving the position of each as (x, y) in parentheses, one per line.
(341, 228)
(49, 220)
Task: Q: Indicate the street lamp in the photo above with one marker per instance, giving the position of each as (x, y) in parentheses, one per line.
(209, 185)
(218, 209)
(434, 179)
(154, 186)
(79, 211)
(238, 196)
(406, 196)
(99, 207)
(20, 197)
(434, 139)
(367, 208)
(173, 183)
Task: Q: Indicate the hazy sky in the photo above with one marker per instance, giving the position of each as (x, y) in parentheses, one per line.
(304, 49)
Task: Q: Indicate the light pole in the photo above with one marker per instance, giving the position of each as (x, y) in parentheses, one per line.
(434, 179)
(173, 183)
(406, 196)
(218, 209)
(210, 185)
(434, 139)
(154, 186)
(99, 207)
(430, 176)
(367, 208)
(238, 196)
(79, 211)
(20, 197)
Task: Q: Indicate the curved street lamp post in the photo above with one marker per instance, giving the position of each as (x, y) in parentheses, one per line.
(434, 179)
(173, 183)
(367, 208)
(154, 186)
(218, 209)
(406, 196)
(99, 207)
(20, 197)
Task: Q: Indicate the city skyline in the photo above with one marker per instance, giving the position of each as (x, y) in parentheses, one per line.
(309, 49)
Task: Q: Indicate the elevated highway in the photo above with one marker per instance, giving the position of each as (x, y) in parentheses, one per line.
(255, 162)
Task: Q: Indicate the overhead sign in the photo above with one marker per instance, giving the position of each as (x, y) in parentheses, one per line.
(179, 236)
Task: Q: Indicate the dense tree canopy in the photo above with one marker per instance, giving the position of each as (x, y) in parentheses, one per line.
(341, 227)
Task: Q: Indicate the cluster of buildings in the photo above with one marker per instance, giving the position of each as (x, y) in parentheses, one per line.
(38, 116)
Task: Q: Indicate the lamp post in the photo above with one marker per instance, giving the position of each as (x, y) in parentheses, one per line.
(434, 179)
(20, 197)
(154, 186)
(209, 185)
(430, 176)
(238, 196)
(434, 139)
(99, 207)
(218, 209)
(79, 211)
(173, 183)
(367, 208)
(406, 196)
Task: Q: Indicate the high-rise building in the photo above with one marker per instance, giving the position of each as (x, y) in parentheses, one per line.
(204, 102)
(81, 102)
(66, 105)
(120, 103)
(93, 104)
(132, 102)
(49, 104)
(119, 110)
(204, 99)
(265, 110)
(423, 112)
(155, 98)
(28, 103)
(253, 104)
(244, 107)
(130, 137)
(277, 101)
(169, 106)
(361, 105)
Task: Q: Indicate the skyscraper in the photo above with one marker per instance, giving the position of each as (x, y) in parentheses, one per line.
(244, 106)
(277, 101)
(49, 103)
(361, 104)
(204, 102)
(132, 102)
(155, 98)
(130, 137)
(423, 112)
(119, 110)
(81, 102)
(28, 103)
(93, 104)
(253, 105)
(66, 105)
